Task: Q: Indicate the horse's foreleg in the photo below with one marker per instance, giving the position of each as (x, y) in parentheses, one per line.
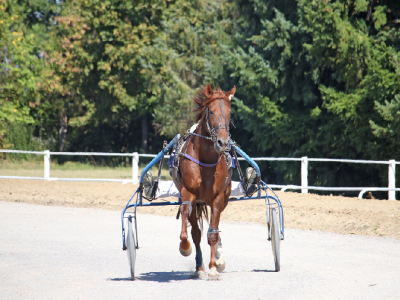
(185, 248)
(220, 260)
(219, 256)
(213, 238)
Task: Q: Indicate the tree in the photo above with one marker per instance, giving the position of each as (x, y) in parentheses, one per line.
(22, 68)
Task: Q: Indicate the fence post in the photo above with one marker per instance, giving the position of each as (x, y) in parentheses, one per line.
(392, 179)
(47, 164)
(304, 174)
(135, 167)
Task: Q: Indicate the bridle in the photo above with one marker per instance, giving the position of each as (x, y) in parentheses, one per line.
(213, 134)
(214, 130)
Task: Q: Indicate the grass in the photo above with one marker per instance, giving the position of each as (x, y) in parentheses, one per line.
(73, 170)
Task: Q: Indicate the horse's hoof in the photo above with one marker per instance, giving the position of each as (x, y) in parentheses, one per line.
(187, 251)
(200, 275)
(220, 261)
(213, 274)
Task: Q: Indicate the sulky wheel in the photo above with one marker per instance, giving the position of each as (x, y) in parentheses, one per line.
(131, 248)
(269, 222)
(275, 240)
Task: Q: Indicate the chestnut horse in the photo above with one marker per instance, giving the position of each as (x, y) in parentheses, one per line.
(205, 179)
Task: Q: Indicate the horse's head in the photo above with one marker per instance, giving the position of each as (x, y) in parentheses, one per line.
(214, 109)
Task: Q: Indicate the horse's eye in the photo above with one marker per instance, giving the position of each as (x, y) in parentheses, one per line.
(211, 113)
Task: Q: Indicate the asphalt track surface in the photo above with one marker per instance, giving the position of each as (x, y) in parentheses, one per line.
(76, 253)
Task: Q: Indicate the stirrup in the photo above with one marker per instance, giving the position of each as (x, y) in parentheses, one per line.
(149, 188)
(251, 176)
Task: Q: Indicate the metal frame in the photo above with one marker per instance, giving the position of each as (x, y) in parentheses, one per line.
(270, 201)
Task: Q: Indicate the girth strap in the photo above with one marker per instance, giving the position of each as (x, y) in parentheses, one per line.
(199, 162)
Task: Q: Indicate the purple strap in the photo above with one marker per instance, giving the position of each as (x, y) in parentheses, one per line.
(200, 163)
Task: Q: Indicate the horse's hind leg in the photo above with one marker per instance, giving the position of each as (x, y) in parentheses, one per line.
(196, 236)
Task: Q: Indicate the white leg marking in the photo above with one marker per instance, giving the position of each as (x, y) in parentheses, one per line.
(213, 274)
(220, 260)
(200, 275)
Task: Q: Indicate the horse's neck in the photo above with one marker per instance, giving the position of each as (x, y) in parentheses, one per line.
(204, 148)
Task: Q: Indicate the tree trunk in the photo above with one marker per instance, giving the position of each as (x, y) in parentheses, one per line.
(145, 132)
(62, 137)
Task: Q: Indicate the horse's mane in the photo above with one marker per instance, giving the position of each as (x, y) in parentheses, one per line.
(201, 101)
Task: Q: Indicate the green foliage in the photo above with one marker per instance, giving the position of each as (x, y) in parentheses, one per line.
(23, 137)
(22, 34)
(320, 79)
(388, 131)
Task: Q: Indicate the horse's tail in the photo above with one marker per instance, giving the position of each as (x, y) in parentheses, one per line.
(202, 213)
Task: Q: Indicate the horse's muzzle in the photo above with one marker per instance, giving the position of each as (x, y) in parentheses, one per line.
(222, 145)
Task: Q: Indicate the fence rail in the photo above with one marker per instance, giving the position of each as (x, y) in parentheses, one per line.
(304, 171)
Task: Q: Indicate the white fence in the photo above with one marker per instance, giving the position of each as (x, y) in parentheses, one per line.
(304, 187)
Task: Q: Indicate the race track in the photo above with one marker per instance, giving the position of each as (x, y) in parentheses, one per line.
(49, 252)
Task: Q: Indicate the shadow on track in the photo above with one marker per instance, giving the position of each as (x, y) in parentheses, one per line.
(266, 271)
(119, 279)
(160, 276)
(172, 276)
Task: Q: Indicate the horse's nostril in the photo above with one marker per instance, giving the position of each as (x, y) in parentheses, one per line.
(220, 143)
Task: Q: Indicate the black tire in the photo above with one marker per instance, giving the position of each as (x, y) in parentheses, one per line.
(275, 240)
(131, 248)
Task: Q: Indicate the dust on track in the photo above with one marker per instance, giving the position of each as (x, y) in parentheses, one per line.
(302, 211)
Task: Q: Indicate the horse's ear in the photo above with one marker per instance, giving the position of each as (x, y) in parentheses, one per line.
(231, 93)
(208, 91)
